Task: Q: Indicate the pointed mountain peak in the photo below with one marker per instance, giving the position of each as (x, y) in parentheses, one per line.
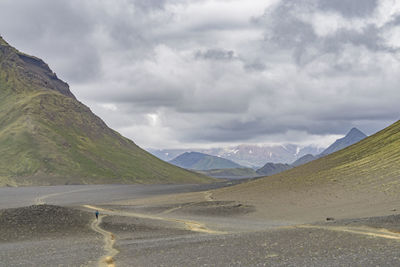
(351, 138)
(356, 132)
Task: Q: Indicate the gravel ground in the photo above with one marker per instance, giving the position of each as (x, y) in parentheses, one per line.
(42, 221)
(46, 235)
(391, 223)
(130, 228)
(284, 247)
(144, 242)
(68, 251)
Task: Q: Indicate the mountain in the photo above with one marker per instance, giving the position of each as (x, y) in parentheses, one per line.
(273, 168)
(258, 155)
(201, 161)
(253, 156)
(48, 137)
(351, 137)
(304, 159)
(369, 167)
(236, 173)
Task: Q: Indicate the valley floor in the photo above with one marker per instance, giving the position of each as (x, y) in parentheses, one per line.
(190, 225)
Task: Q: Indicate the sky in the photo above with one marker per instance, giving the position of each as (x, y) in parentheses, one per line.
(207, 73)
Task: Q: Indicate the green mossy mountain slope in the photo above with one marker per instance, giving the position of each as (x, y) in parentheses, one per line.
(371, 165)
(48, 137)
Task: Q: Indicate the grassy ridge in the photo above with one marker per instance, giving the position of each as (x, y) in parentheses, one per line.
(372, 165)
(48, 137)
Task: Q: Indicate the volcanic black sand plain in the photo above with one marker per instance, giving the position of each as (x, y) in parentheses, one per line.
(196, 225)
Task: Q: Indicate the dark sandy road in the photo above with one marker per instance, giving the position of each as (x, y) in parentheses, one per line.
(75, 195)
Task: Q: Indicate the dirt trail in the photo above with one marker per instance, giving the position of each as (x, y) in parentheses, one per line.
(208, 196)
(108, 259)
(40, 200)
(189, 225)
(362, 230)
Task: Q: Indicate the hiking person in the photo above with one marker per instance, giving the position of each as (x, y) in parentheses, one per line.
(97, 214)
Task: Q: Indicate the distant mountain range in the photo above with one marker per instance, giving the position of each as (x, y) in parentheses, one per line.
(48, 137)
(352, 137)
(201, 161)
(219, 159)
(252, 156)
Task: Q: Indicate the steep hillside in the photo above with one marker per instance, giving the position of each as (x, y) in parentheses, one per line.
(371, 165)
(48, 137)
(200, 161)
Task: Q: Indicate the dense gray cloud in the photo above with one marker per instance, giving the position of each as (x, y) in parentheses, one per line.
(58, 31)
(171, 73)
(351, 8)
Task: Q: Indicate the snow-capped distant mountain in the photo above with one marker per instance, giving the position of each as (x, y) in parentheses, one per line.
(253, 156)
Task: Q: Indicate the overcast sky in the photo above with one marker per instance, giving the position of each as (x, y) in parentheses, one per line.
(176, 73)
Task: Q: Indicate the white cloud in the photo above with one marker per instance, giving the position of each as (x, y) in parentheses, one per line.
(392, 37)
(109, 106)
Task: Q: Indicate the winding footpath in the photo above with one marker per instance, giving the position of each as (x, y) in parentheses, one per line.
(106, 260)
(207, 197)
(189, 225)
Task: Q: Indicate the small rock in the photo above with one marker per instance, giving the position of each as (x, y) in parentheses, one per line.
(330, 219)
(394, 210)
